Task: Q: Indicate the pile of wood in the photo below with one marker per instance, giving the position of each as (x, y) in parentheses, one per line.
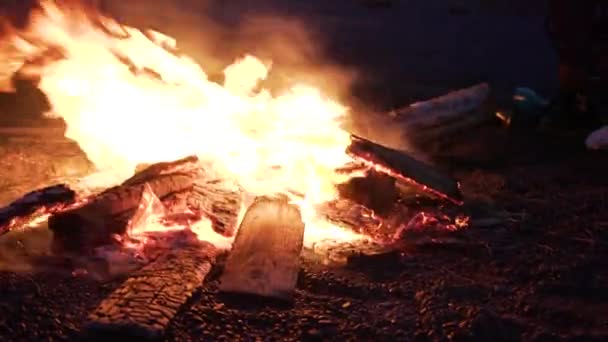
(264, 260)
(108, 214)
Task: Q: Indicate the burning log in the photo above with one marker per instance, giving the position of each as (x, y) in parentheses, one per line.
(265, 256)
(211, 199)
(143, 306)
(405, 168)
(43, 199)
(108, 214)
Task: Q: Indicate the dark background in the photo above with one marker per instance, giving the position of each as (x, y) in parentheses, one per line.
(374, 53)
(410, 49)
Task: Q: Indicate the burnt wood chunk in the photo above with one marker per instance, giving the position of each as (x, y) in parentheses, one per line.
(405, 168)
(184, 165)
(265, 256)
(43, 199)
(142, 306)
(108, 214)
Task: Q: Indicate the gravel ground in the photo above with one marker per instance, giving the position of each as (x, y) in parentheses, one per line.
(540, 276)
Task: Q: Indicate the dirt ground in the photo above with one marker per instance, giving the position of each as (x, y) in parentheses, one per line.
(538, 274)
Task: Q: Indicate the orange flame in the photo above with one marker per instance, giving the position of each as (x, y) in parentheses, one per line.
(128, 98)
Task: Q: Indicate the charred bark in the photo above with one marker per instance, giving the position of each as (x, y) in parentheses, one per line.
(143, 306)
(43, 199)
(108, 214)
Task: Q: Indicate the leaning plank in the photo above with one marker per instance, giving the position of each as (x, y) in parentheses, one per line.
(142, 307)
(107, 214)
(404, 168)
(265, 256)
(45, 199)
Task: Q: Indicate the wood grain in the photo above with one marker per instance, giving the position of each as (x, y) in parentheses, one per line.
(265, 256)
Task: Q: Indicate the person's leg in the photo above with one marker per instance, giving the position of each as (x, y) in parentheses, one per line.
(569, 24)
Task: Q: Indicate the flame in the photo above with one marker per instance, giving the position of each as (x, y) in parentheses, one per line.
(128, 98)
(152, 216)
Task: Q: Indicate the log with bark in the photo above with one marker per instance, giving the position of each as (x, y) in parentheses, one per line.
(108, 214)
(445, 116)
(142, 307)
(46, 200)
(405, 169)
(264, 260)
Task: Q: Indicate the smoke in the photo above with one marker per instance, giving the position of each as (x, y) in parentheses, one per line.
(215, 33)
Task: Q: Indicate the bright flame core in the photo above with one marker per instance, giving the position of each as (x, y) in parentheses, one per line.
(127, 99)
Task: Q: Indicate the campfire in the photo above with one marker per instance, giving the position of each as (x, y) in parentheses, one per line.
(192, 168)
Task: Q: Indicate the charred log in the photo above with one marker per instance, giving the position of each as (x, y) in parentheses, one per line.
(376, 191)
(150, 172)
(143, 306)
(108, 214)
(211, 199)
(43, 199)
(264, 260)
(435, 125)
(444, 110)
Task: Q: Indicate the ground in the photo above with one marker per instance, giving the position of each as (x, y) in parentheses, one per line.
(540, 275)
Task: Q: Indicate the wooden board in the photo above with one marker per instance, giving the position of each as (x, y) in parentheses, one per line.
(142, 307)
(265, 256)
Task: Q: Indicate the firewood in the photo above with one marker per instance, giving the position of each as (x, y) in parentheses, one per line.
(265, 256)
(148, 173)
(43, 199)
(441, 110)
(447, 130)
(142, 307)
(405, 169)
(219, 204)
(107, 214)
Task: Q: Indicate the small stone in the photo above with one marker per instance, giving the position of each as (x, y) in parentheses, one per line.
(346, 305)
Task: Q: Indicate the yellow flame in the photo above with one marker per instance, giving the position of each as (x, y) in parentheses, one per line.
(127, 99)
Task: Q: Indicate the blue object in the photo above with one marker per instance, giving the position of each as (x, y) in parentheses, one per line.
(528, 103)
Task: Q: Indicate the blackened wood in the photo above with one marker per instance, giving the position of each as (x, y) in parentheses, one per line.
(43, 199)
(187, 164)
(107, 214)
(405, 168)
(264, 260)
(143, 306)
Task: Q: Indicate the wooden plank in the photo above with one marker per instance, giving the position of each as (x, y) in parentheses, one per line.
(405, 168)
(142, 307)
(265, 256)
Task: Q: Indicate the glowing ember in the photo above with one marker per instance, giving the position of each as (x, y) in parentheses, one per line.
(127, 99)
